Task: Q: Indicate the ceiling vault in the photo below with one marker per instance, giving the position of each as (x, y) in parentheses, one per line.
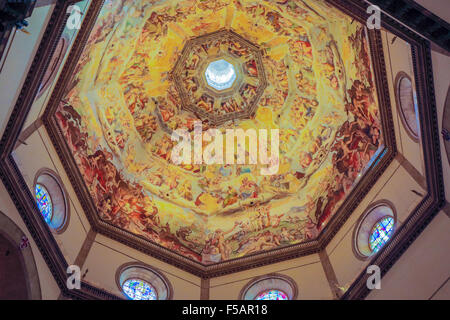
(238, 264)
(416, 222)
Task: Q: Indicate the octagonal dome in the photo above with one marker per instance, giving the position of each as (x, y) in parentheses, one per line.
(303, 70)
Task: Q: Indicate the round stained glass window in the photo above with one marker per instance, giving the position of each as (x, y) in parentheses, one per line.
(44, 202)
(220, 74)
(272, 295)
(136, 289)
(381, 233)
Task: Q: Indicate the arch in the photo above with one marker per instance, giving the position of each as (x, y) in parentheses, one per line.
(12, 237)
(272, 281)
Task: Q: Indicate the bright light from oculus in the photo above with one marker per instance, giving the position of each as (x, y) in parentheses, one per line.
(220, 74)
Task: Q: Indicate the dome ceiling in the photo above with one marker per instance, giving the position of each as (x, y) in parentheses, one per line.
(150, 68)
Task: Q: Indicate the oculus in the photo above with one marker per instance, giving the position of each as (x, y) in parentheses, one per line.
(54, 65)
(141, 282)
(220, 74)
(446, 125)
(137, 289)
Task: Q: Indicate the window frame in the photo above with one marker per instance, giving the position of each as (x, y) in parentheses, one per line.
(52, 182)
(401, 75)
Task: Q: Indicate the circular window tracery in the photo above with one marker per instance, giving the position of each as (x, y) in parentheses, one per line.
(137, 289)
(375, 229)
(50, 199)
(407, 105)
(140, 282)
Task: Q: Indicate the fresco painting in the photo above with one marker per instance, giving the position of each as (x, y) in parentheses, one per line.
(121, 106)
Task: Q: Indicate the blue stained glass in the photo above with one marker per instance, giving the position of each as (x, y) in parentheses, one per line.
(381, 233)
(136, 289)
(272, 295)
(44, 202)
(220, 74)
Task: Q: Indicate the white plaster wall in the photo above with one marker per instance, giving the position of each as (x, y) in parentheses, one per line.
(18, 61)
